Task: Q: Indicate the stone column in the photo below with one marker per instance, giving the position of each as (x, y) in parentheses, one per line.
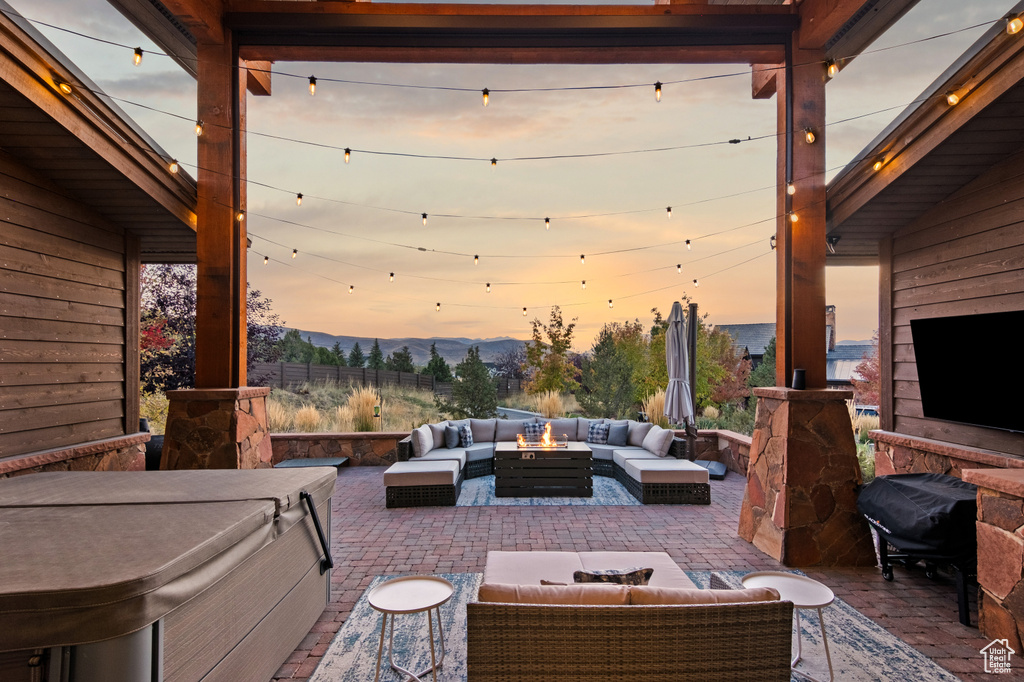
(800, 503)
(220, 428)
(1000, 553)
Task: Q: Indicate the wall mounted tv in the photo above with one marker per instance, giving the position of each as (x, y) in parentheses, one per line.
(970, 370)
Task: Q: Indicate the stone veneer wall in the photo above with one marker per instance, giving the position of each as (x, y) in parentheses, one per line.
(728, 447)
(222, 428)
(800, 503)
(362, 449)
(1000, 553)
(124, 453)
(896, 453)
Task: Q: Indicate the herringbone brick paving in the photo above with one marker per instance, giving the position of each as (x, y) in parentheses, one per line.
(369, 540)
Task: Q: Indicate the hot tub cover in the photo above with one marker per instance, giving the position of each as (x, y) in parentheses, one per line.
(923, 513)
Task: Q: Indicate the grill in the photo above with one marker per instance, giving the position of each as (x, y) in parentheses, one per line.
(929, 518)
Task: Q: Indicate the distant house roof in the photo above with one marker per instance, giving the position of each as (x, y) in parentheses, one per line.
(754, 337)
(841, 362)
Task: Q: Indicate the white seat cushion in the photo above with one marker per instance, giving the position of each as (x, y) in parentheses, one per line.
(667, 470)
(529, 568)
(601, 451)
(622, 454)
(443, 455)
(440, 472)
(478, 451)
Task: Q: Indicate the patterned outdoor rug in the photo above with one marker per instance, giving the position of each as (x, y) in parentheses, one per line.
(861, 650)
(479, 492)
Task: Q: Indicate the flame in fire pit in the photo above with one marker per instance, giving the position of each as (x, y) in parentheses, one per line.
(545, 441)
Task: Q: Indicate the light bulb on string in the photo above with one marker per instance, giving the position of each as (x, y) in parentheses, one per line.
(877, 166)
(689, 247)
(298, 199)
(791, 189)
(312, 85)
(1014, 24)
(669, 211)
(266, 259)
(547, 223)
(832, 68)
(199, 128)
(173, 166)
(295, 252)
(696, 283)
(437, 308)
(494, 162)
(391, 277)
(952, 99)
(240, 216)
(424, 220)
(583, 284)
(794, 218)
(137, 57)
(679, 268)
(488, 287)
(63, 86)
(657, 91)
(524, 312)
(771, 242)
(487, 96)
(476, 260)
(810, 136)
(348, 154)
(351, 288)
(610, 304)
(583, 259)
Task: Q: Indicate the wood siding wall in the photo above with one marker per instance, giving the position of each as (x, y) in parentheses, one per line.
(68, 302)
(965, 256)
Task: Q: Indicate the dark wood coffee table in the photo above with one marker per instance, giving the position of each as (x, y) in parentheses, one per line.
(535, 471)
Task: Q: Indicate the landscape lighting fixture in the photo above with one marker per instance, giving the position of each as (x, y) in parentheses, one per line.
(1014, 24)
(952, 99)
(199, 128)
(137, 58)
(657, 91)
(312, 85)
(487, 96)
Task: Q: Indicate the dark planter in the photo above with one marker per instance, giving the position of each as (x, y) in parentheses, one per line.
(154, 447)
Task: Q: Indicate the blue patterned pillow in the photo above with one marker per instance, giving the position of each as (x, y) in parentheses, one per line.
(598, 433)
(465, 435)
(533, 432)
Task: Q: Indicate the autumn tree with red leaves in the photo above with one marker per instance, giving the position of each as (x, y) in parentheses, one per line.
(867, 389)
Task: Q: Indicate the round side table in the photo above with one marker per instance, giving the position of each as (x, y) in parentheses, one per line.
(805, 593)
(410, 594)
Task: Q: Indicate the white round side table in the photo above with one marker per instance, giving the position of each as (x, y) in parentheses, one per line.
(805, 593)
(410, 594)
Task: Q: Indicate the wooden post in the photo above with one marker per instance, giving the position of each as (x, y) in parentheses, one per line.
(800, 250)
(220, 237)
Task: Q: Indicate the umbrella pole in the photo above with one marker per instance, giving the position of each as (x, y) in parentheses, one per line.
(691, 344)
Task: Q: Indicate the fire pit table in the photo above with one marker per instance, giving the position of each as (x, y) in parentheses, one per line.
(538, 471)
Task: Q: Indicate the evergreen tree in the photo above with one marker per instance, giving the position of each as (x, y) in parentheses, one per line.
(549, 361)
(607, 379)
(764, 374)
(400, 361)
(437, 367)
(355, 356)
(294, 349)
(376, 358)
(339, 354)
(474, 393)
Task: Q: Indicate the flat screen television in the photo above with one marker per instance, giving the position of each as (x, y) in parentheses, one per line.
(970, 368)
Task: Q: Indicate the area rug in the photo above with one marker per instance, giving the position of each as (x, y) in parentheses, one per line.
(479, 492)
(861, 650)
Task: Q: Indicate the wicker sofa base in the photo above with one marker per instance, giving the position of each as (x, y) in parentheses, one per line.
(603, 467)
(664, 493)
(480, 467)
(396, 496)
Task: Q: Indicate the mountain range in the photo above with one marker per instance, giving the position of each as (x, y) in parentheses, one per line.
(453, 350)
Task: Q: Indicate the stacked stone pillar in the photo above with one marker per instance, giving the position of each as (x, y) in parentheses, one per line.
(222, 428)
(800, 504)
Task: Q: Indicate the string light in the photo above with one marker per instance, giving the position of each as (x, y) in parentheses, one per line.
(696, 283)
(1014, 24)
(173, 166)
(679, 268)
(437, 307)
(791, 189)
(424, 220)
(351, 288)
(583, 259)
(809, 135)
(312, 85)
(199, 128)
(771, 242)
(476, 260)
(952, 99)
(298, 199)
(295, 252)
(793, 217)
(137, 58)
(547, 223)
(583, 284)
(240, 216)
(610, 304)
(391, 277)
(689, 246)
(348, 154)
(877, 166)
(524, 312)
(832, 68)
(488, 287)
(266, 259)
(63, 86)
(669, 211)
(494, 162)
(487, 96)
(657, 91)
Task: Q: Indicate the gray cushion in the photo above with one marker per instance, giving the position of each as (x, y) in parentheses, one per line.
(507, 430)
(637, 432)
(560, 427)
(451, 437)
(658, 441)
(444, 454)
(478, 451)
(618, 433)
(422, 441)
(483, 430)
(437, 434)
(622, 454)
(601, 451)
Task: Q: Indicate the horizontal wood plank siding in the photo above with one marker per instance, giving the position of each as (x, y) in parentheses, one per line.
(965, 256)
(63, 320)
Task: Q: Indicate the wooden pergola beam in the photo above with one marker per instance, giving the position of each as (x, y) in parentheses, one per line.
(257, 77)
(202, 17)
(764, 80)
(820, 20)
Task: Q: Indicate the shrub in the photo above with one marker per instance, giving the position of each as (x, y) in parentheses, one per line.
(361, 403)
(153, 406)
(279, 418)
(549, 404)
(654, 407)
(711, 412)
(308, 419)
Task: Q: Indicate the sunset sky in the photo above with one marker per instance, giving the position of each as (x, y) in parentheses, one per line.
(359, 222)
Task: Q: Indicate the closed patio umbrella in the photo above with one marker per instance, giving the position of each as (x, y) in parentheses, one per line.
(678, 401)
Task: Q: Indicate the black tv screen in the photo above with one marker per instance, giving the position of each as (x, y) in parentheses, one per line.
(969, 368)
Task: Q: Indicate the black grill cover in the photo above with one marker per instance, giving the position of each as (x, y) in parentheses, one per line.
(923, 513)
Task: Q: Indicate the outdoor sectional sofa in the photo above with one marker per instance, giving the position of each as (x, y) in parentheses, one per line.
(646, 459)
(667, 630)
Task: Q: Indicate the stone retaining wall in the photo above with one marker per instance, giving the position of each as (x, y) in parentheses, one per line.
(897, 453)
(728, 447)
(124, 453)
(222, 428)
(362, 449)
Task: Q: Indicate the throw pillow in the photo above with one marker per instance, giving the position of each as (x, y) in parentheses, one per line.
(533, 432)
(437, 433)
(617, 434)
(598, 434)
(625, 576)
(466, 435)
(658, 441)
(422, 441)
(637, 432)
(451, 437)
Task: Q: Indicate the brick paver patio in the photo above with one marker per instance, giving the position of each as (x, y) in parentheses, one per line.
(369, 540)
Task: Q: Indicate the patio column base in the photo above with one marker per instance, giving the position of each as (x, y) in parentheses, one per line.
(800, 505)
(222, 428)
